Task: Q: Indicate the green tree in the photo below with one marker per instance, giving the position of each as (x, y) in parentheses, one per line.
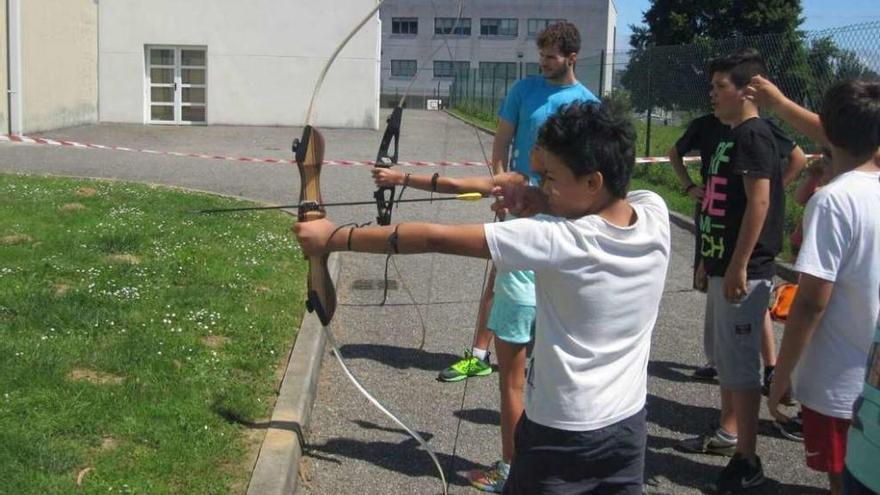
(674, 77)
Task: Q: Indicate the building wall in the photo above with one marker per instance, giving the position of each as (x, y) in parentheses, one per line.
(59, 53)
(263, 58)
(595, 20)
(4, 75)
(611, 47)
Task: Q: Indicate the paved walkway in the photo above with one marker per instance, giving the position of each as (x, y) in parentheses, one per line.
(352, 448)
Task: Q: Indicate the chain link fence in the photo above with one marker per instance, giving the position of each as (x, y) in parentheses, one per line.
(666, 86)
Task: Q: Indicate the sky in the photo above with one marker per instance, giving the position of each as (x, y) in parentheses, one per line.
(818, 14)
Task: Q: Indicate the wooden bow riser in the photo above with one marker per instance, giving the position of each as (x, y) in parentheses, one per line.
(321, 296)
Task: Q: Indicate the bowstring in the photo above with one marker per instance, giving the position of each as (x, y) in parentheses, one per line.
(389, 260)
(451, 465)
(328, 333)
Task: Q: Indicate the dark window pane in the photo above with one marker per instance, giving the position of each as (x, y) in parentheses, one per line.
(193, 95)
(193, 76)
(163, 95)
(161, 57)
(192, 57)
(161, 76)
(162, 112)
(193, 114)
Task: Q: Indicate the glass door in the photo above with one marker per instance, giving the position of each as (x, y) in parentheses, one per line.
(176, 78)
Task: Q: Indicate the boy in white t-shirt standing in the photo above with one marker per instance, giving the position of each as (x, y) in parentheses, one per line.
(596, 251)
(832, 319)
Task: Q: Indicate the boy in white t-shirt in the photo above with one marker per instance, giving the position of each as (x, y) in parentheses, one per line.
(596, 251)
(832, 319)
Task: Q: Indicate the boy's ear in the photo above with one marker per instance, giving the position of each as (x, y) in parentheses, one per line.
(594, 181)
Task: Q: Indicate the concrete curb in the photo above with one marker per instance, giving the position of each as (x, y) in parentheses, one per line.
(784, 270)
(276, 471)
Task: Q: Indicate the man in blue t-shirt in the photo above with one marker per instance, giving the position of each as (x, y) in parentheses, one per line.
(511, 298)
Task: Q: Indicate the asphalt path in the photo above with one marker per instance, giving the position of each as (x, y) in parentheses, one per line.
(352, 448)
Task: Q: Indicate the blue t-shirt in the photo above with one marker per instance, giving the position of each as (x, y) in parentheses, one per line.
(528, 104)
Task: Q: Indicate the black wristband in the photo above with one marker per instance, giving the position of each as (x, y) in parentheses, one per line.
(350, 232)
(406, 180)
(434, 182)
(392, 240)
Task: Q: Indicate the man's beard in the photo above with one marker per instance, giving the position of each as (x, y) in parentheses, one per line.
(557, 74)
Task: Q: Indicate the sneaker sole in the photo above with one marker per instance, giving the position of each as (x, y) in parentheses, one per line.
(688, 450)
(786, 434)
(462, 377)
(741, 489)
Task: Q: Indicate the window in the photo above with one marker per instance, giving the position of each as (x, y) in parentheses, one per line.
(532, 69)
(444, 25)
(446, 68)
(499, 27)
(403, 68)
(176, 77)
(405, 25)
(498, 70)
(537, 25)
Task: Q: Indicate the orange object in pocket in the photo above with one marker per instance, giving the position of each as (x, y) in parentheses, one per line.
(783, 296)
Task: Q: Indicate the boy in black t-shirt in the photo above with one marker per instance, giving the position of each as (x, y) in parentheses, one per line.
(703, 135)
(740, 228)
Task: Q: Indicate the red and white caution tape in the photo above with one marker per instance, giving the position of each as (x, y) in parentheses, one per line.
(346, 163)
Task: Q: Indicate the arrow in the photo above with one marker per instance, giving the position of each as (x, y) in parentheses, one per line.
(474, 196)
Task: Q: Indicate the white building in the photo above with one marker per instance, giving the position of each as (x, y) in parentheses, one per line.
(49, 66)
(255, 62)
(238, 62)
(431, 41)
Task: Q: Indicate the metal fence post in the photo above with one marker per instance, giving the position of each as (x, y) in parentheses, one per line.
(650, 100)
(601, 73)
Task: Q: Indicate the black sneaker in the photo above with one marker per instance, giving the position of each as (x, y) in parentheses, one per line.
(739, 475)
(707, 373)
(710, 442)
(793, 429)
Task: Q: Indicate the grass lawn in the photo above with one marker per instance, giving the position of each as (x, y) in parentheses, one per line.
(138, 338)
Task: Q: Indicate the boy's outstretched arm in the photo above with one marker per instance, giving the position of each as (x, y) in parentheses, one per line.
(767, 95)
(447, 185)
(321, 236)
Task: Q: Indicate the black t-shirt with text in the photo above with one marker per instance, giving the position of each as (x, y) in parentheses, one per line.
(703, 134)
(748, 150)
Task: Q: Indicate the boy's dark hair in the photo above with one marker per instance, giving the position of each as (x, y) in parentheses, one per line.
(742, 65)
(593, 137)
(563, 35)
(851, 116)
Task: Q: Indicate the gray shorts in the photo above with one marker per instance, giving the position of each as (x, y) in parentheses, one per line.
(737, 330)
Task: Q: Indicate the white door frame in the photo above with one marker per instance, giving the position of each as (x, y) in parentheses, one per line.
(178, 85)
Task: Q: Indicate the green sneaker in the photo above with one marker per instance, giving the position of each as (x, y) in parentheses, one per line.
(466, 367)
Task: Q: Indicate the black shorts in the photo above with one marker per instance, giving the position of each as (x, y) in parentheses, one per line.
(549, 461)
